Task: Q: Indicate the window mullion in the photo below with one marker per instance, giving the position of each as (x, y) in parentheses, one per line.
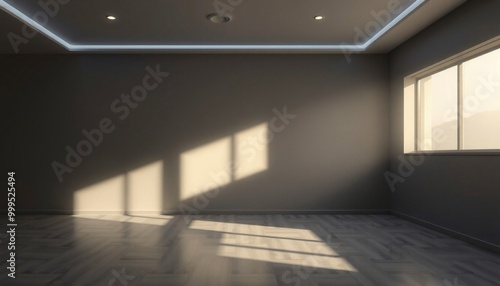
(417, 116)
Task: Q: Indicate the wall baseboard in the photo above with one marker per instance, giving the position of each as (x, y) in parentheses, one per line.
(212, 211)
(271, 211)
(455, 234)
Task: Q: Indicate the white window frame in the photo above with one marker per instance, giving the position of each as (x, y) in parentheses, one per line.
(411, 101)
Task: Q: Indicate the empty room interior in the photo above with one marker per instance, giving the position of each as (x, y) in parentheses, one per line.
(250, 142)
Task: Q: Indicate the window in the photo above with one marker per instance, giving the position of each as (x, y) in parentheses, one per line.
(455, 105)
(481, 102)
(437, 110)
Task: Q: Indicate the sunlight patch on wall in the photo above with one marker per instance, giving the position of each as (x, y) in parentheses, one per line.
(204, 166)
(251, 151)
(145, 189)
(150, 219)
(223, 161)
(139, 191)
(105, 196)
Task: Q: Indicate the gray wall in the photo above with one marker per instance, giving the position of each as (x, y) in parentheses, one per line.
(460, 193)
(330, 157)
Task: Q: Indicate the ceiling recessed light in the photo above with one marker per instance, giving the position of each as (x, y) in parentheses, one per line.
(218, 19)
(319, 17)
(111, 17)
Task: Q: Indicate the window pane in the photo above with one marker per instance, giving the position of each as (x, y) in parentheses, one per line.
(438, 111)
(481, 102)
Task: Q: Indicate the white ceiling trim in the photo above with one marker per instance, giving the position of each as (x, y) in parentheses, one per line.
(85, 47)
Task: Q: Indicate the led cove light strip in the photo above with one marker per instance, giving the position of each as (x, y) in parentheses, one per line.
(79, 48)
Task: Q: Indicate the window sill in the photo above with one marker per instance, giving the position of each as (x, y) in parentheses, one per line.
(456, 153)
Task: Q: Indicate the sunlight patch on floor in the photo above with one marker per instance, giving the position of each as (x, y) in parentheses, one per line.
(293, 246)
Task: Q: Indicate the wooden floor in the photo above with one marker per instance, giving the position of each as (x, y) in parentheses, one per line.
(241, 250)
